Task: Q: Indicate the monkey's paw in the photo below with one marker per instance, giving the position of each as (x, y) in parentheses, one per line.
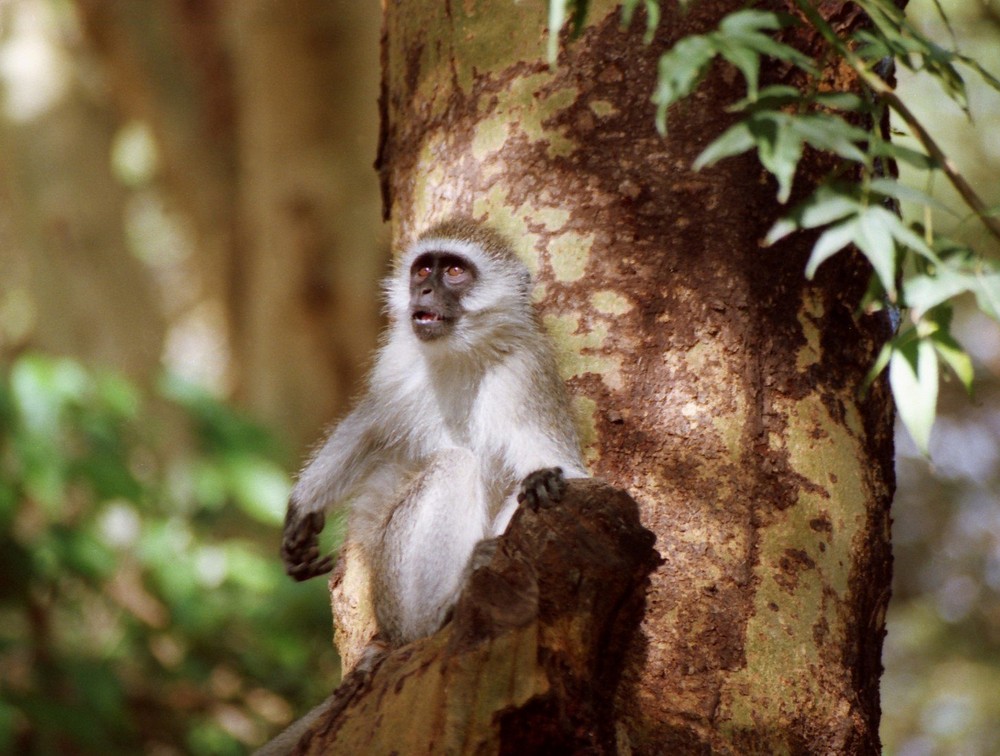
(300, 545)
(542, 488)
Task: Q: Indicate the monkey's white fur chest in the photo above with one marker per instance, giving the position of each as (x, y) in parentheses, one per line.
(458, 403)
(464, 401)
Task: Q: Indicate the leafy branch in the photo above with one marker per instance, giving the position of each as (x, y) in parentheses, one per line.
(914, 267)
(893, 24)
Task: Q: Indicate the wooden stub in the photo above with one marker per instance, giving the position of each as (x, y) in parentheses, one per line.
(531, 660)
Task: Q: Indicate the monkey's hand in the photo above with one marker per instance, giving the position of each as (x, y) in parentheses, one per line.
(300, 545)
(542, 488)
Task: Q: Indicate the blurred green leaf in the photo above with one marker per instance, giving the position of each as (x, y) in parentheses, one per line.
(826, 205)
(913, 376)
(261, 488)
(829, 243)
(925, 291)
(681, 69)
(957, 358)
(249, 570)
(987, 292)
(559, 11)
(557, 19)
(892, 188)
(8, 716)
(41, 389)
(733, 141)
(652, 16)
(82, 553)
(911, 157)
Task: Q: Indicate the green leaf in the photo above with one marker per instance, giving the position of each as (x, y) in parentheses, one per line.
(580, 9)
(894, 35)
(557, 19)
(681, 69)
(832, 134)
(741, 39)
(925, 291)
(871, 48)
(733, 141)
(628, 11)
(260, 487)
(876, 232)
(827, 204)
(744, 58)
(873, 236)
(779, 150)
(903, 234)
(881, 362)
(772, 97)
(652, 16)
(988, 293)
(957, 358)
(751, 20)
(829, 243)
(904, 154)
(984, 74)
(913, 376)
(43, 386)
(841, 101)
(892, 188)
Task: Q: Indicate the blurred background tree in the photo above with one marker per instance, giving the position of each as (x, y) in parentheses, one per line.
(942, 652)
(188, 216)
(189, 224)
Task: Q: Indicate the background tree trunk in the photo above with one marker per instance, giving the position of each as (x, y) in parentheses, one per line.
(68, 283)
(712, 381)
(264, 116)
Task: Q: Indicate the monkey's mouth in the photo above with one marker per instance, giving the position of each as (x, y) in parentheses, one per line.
(429, 325)
(424, 317)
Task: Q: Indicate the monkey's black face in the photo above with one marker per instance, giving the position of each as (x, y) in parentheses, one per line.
(438, 281)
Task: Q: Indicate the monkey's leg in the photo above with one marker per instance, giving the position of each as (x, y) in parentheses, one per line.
(420, 559)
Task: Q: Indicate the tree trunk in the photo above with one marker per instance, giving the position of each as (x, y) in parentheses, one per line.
(266, 125)
(67, 280)
(712, 381)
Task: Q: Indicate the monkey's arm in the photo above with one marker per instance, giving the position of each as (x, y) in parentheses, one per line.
(344, 460)
(541, 464)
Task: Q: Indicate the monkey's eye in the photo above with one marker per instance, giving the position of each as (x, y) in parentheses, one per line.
(454, 271)
(422, 272)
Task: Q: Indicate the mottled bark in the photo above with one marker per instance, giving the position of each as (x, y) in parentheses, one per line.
(712, 381)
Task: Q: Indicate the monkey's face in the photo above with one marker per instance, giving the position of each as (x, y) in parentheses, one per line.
(438, 282)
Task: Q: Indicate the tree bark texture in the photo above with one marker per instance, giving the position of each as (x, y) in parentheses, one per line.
(531, 659)
(711, 380)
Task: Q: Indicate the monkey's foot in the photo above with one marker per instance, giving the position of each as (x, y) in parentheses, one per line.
(542, 488)
(300, 546)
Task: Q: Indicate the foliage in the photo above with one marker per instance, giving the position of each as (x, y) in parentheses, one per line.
(137, 581)
(915, 267)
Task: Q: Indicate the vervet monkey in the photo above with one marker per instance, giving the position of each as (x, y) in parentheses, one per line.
(463, 404)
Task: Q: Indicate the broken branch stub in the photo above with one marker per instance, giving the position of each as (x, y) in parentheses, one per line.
(531, 659)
